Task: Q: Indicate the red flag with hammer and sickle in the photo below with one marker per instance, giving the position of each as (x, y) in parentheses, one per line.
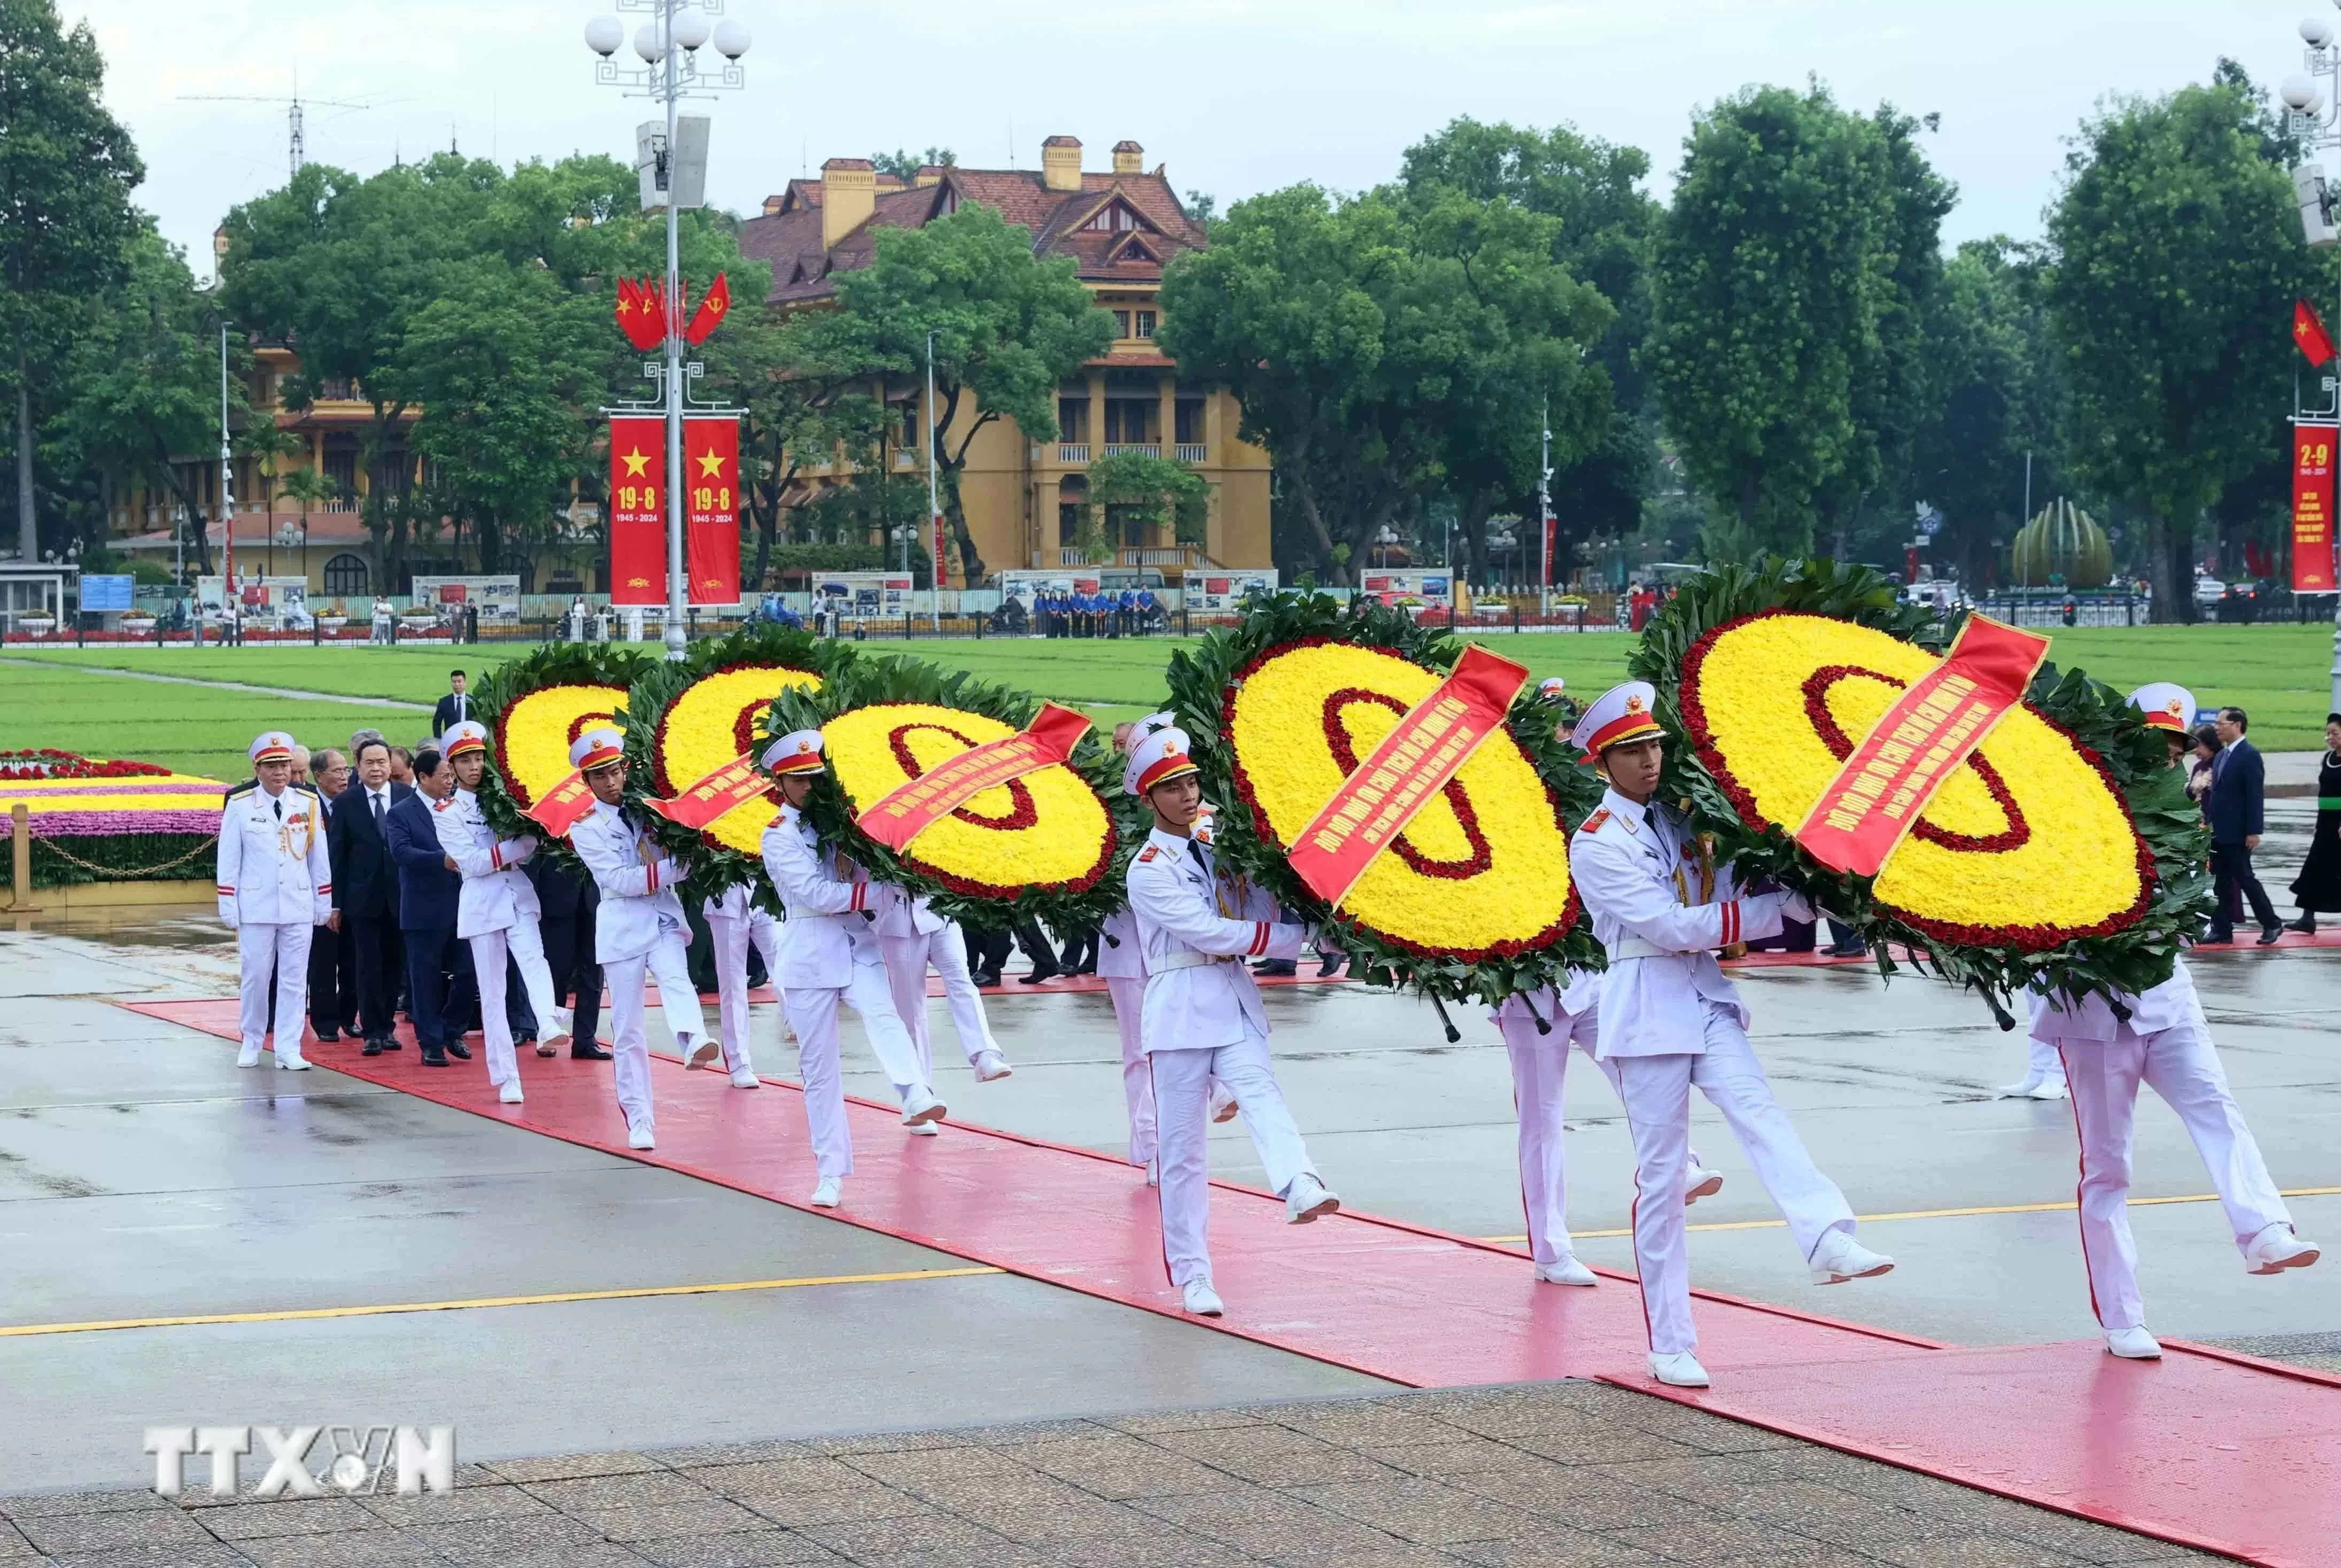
(711, 312)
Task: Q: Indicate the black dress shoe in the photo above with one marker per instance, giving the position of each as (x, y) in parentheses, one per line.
(2305, 925)
(1332, 965)
(459, 1050)
(2269, 936)
(326, 1033)
(392, 1043)
(2217, 940)
(1037, 976)
(373, 1048)
(595, 1052)
(433, 1056)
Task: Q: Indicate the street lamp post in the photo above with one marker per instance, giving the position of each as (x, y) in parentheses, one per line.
(2315, 121)
(669, 49)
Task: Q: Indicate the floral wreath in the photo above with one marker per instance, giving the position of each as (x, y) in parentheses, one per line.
(1043, 845)
(534, 707)
(683, 720)
(1474, 899)
(2063, 851)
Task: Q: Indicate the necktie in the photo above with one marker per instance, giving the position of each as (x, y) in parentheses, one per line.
(375, 796)
(279, 807)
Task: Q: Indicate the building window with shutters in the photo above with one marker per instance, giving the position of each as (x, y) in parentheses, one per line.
(1121, 324)
(1144, 323)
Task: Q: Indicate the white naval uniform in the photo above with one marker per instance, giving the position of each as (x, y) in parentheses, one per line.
(1121, 965)
(276, 887)
(1669, 1020)
(912, 936)
(1202, 1019)
(830, 958)
(497, 913)
(638, 931)
(1540, 1067)
(2165, 1043)
(734, 921)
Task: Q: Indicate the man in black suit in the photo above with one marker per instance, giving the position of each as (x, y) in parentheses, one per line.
(429, 889)
(453, 709)
(365, 890)
(568, 899)
(2235, 809)
(333, 968)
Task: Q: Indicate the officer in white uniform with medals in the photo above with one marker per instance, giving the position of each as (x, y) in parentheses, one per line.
(1669, 1020)
(911, 937)
(496, 912)
(2165, 1043)
(830, 958)
(1202, 1017)
(638, 930)
(276, 886)
(733, 921)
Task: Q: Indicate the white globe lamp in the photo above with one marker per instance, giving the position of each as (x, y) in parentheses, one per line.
(604, 35)
(731, 39)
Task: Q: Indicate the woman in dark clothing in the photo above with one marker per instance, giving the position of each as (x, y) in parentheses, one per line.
(2318, 888)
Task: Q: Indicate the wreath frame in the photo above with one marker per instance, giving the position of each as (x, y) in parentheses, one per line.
(2109, 734)
(555, 664)
(869, 681)
(1203, 682)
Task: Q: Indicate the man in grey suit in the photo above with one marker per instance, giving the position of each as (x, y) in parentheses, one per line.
(2235, 807)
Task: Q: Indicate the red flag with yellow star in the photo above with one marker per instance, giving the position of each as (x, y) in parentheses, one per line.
(711, 312)
(638, 314)
(2309, 331)
(638, 511)
(710, 540)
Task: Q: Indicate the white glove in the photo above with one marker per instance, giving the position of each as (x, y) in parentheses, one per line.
(516, 851)
(1797, 907)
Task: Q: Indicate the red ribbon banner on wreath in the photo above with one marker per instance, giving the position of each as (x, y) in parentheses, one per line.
(560, 808)
(727, 789)
(908, 810)
(1882, 788)
(1402, 775)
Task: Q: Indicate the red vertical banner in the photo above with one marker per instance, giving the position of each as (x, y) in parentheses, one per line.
(2312, 507)
(710, 537)
(941, 572)
(637, 512)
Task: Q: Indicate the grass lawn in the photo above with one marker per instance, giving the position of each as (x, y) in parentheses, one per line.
(2277, 673)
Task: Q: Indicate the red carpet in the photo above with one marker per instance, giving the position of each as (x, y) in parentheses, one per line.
(2205, 1449)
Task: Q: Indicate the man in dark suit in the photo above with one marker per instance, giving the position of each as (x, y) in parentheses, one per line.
(454, 707)
(2235, 807)
(429, 888)
(568, 897)
(333, 968)
(365, 890)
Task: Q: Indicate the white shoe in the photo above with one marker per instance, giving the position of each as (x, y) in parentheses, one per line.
(2277, 1248)
(564, 1021)
(510, 1093)
(1307, 1198)
(297, 1063)
(1154, 1172)
(1699, 1182)
(924, 1130)
(1568, 1271)
(2020, 1089)
(637, 1136)
(1202, 1300)
(248, 1057)
(921, 1106)
(745, 1078)
(698, 1053)
(2133, 1345)
(829, 1191)
(991, 1066)
(2049, 1089)
(1839, 1257)
(1680, 1370)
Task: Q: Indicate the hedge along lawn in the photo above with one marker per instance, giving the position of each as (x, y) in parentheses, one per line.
(2280, 675)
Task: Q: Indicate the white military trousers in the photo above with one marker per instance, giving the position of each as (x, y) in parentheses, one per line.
(630, 1044)
(1657, 1092)
(1540, 1065)
(1129, 994)
(1182, 1098)
(285, 949)
(525, 944)
(907, 958)
(2181, 1065)
(813, 1014)
(732, 938)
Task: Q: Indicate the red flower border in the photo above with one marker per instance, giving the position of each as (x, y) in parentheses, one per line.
(2024, 939)
(35, 764)
(1545, 938)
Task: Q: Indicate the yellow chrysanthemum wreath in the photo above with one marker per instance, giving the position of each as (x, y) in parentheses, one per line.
(534, 706)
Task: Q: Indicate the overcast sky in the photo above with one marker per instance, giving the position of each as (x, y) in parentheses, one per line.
(1236, 96)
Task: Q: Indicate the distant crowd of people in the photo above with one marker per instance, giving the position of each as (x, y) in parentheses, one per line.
(2225, 777)
(1128, 612)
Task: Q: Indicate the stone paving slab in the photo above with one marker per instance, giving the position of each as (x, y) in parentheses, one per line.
(1567, 1475)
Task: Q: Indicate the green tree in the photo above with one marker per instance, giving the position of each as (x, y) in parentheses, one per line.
(1150, 491)
(1008, 327)
(904, 165)
(66, 172)
(2178, 258)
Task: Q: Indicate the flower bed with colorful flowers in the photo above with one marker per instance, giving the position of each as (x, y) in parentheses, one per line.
(2064, 847)
(1043, 845)
(48, 762)
(94, 821)
(534, 708)
(1474, 900)
(685, 721)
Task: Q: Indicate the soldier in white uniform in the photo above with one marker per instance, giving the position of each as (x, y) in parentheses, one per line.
(1669, 1020)
(1202, 1017)
(829, 959)
(911, 937)
(496, 912)
(638, 930)
(2165, 1042)
(276, 887)
(734, 921)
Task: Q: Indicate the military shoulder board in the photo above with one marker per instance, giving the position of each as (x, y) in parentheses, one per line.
(1148, 853)
(1593, 823)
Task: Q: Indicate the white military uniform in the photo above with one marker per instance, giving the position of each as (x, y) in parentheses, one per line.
(276, 886)
(1540, 1067)
(639, 932)
(1121, 965)
(1670, 1020)
(734, 921)
(497, 913)
(830, 958)
(912, 936)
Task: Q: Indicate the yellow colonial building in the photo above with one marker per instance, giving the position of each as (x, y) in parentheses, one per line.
(1024, 497)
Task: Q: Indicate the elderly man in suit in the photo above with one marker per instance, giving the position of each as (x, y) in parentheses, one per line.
(2235, 809)
(430, 889)
(365, 893)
